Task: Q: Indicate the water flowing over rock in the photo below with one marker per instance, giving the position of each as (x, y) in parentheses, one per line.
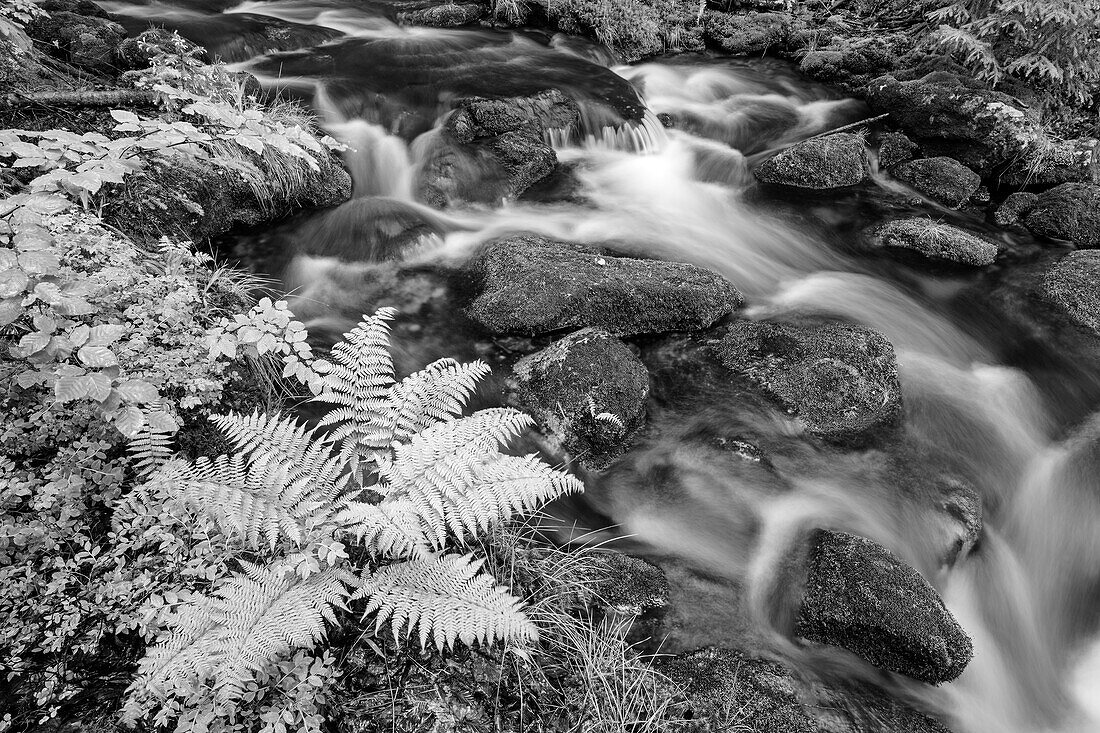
(944, 180)
(1069, 211)
(587, 390)
(1014, 207)
(841, 380)
(1073, 285)
(530, 284)
(935, 240)
(981, 128)
(861, 597)
(833, 161)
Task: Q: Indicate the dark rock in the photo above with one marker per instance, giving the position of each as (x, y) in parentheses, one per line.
(894, 148)
(861, 597)
(1057, 161)
(588, 390)
(746, 34)
(841, 380)
(449, 15)
(740, 692)
(944, 180)
(530, 284)
(833, 161)
(1073, 286)
(78, 32)
(1014, 207)
(627, 584)
(478, 117)
(1069, 211)
(981, 128)
(858, 708)
(960, 524)
(935, 240)
(849, 61)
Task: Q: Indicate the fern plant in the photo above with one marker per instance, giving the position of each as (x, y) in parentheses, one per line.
(394, 473)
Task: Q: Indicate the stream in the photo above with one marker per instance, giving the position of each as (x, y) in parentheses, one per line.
(986, 393)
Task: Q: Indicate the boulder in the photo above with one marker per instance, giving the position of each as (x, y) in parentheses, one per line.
(895, 148)
(1069, 211)
(841, 380)
(492, 149)
(747, 33)
(587, 390)
(1073, 286)
(1055, 162)
(448, 15)
(944, 180)
(79, 32)
(742, 692)
(626, 584)
(981, 128)
(1014, 207)
(959, 516)
(861, 597)
(935, 240)
(530, 284)
(833, 161)
(849, 60)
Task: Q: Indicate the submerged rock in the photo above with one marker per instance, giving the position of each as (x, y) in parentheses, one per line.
(981, 128)
(833, 161)
(861, 597)
(944, 180)
(448, 15)
(935, 240)
(1069, 211)
(841, 380)
(856, 708)
(588, 390)
(1073, 286)
(530, 284)
(746, 33)
(960, 518)
(1014, 207)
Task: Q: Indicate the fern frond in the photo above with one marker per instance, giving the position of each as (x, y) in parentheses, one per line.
(392, 529)
(151, 447)
(437, 393)
(249, 620)
(445, 599)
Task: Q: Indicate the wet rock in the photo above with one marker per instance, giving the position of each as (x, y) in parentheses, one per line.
(1055, 162)
(1073, 286)
(79, 32)
(746, 34)
(960, 525)
(895, 148)
(840, 380)
(834, 161)
(944, 180)
(493, 149)
(856, 708)
(448, 15)
(1014, 207)
(981, 128)
(529, 284)
(740, 692)
(1069, 211)
(627, 584)
(587, 390)
(849, 60)
(935, 240)
(861, 597)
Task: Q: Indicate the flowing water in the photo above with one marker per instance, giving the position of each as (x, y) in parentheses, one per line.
(989, 394)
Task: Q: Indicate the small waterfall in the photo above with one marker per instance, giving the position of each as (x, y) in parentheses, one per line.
(644, 136)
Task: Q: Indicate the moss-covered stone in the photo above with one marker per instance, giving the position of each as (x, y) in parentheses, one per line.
(1012, 210)
(935, 240)
(942, 179)
(841, 380)
(895, 148)
(588, 390)
(78, 31)
(448, 15)
(627, 584)
(746, 33)
(861, 597)
(1069, 211)
(529, 284)
(833, 161)
(1073, 286)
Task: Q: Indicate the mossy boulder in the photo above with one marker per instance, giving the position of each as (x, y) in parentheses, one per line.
(840, 380)
(530, 284)
(849, 61)
(627, 585)
(746, 33)
(833, 161)
(1055, 162)
(1016, 205)
(1073, 287)
(942, 179)
(448, 15)
(1069, 211)
(895, 148)
(79, 32)
(587, 390)
(981, 128)
(935, 240)
(861, 597)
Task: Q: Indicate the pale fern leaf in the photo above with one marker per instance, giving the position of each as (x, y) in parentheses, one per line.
(392, 529)
(436, 393)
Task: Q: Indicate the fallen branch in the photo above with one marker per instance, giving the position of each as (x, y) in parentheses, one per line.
(842, 128)
(94, 98)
